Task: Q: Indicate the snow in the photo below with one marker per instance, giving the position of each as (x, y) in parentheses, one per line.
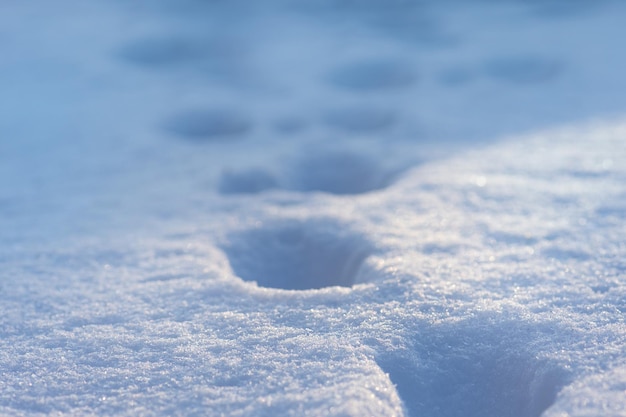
(321, 208)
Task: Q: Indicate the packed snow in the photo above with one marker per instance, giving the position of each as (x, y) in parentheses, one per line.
(313, 208)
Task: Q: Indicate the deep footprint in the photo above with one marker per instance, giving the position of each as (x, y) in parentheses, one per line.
(164, 53)
(340, 172)
(249, 181)
(523, 70)
(333, 172)
(564, 8)
(470, 370)
(298, 255)
(374, 75)
(217, 57)
(360, 119)
(208, 125)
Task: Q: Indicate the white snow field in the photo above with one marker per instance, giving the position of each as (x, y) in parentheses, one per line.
(313, 208)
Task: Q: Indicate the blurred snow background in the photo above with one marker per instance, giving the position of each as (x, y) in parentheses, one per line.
(312, 208)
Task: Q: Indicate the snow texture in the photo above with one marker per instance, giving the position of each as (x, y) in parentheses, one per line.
(313, 208)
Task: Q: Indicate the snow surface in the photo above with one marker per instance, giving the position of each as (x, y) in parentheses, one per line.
(321, 208)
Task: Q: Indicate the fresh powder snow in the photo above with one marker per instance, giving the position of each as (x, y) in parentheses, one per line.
(313, 208)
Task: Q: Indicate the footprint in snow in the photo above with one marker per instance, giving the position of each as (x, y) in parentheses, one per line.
(298, 255)
(469, 369)
(332, 172)
(373, 76)
(208, 125)
(360, 119)
(523, 70)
